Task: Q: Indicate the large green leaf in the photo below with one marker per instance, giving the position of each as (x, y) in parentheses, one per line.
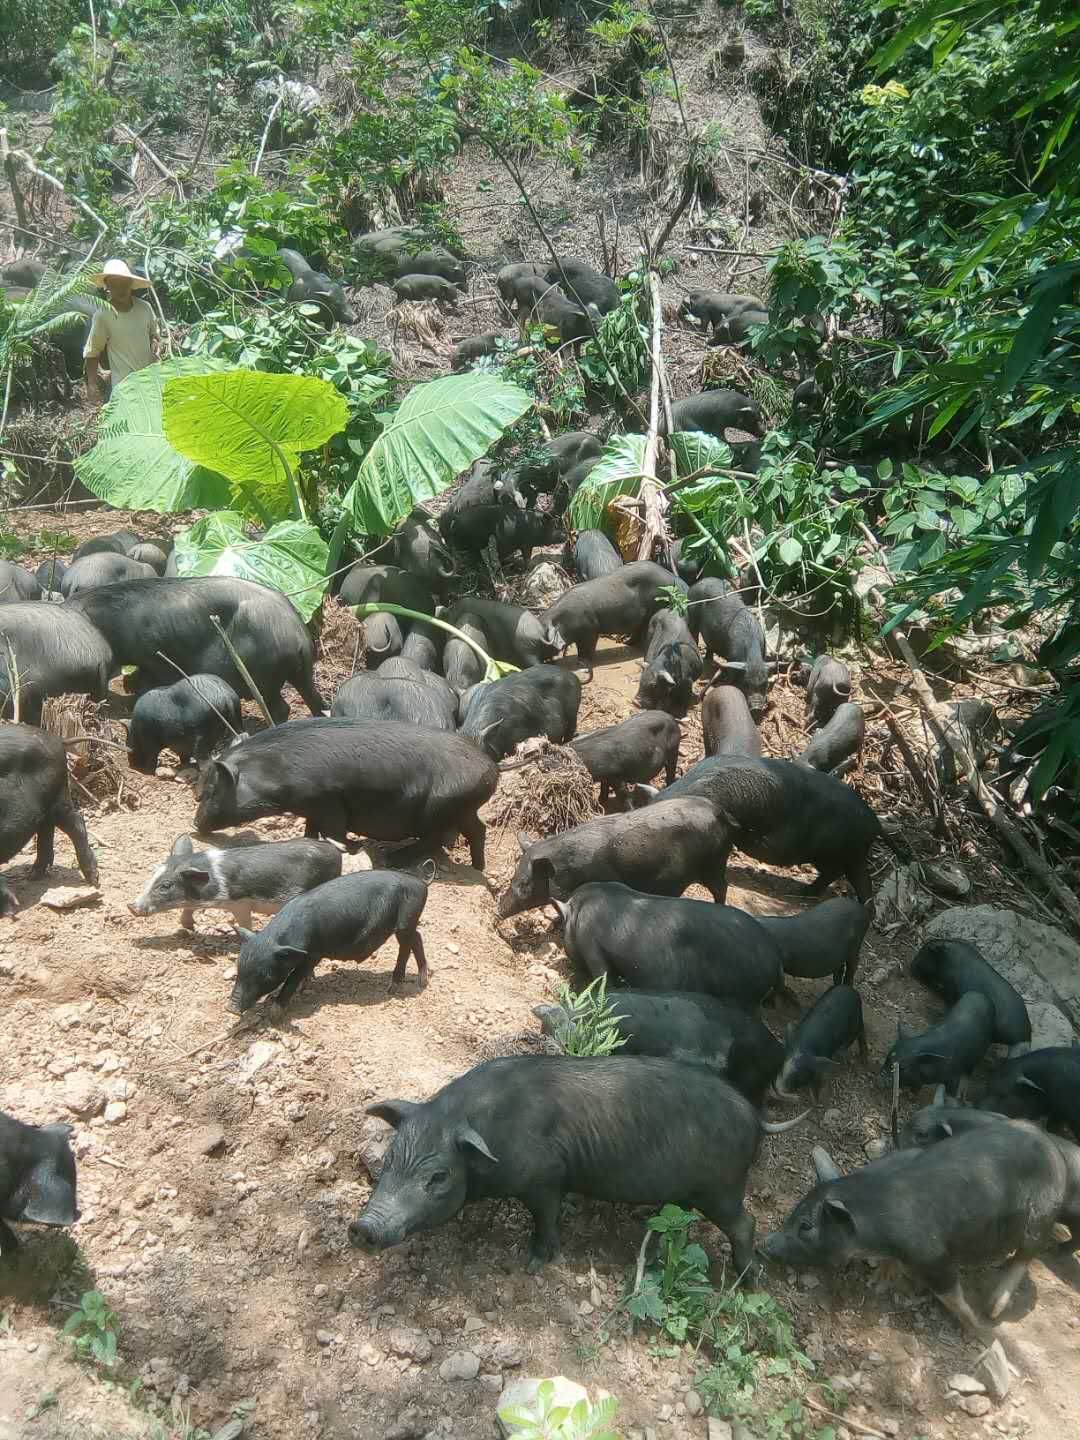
(290, 557)
(694, 450)
(617, 472)
(133, 465)
(436, 433)
(252, 427)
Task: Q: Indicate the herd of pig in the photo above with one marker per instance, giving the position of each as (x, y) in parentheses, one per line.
(409, 752)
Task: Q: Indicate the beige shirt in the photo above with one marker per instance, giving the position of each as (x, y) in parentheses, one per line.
(128, 336)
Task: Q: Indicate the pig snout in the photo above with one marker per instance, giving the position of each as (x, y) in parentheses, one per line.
(136, 907)
(370, 1234)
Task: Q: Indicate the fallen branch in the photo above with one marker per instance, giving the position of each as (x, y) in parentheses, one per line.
(32, 166)
(12, 178)
(931, 799)
(141, 146)
(952, 736)
(847, 1420)
(256, 694)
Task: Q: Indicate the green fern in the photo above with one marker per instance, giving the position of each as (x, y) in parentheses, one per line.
(39, 314)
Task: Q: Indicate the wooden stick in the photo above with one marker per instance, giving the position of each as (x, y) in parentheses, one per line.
(141, 146)
(931, 800)
(847, 1420)
(215, 620)
(12, 178)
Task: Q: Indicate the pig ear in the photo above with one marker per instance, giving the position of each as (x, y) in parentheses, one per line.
(944, 1129)
(836, 1211)
(181, 846)
(49, 1198)
(525, 842)
(1030, 1084)
(825, 1166)
(469, 1139)
(667, 678)
(392, 1111)
(194, 880)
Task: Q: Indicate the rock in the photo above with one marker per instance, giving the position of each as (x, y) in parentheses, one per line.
(966, 1385)
(460, 1365)
(324, 1337)
(1048, 1025)
(83, 1096)
(507, 1355)
(976, 1404)
(543, 585)
(206, 1140)
(70, 897)
(719, 1429)
(259, 1055)
(1040, 960)
(815, 1348)
(994, 1368)
(521, 1395)
(945, 878)
(115, 1111)
(870, 585)
(410, 1344)
(665, 1413)
(473, 1323)
(831, 1117)
(891, 1427)
(692, 1401)
(901, 898)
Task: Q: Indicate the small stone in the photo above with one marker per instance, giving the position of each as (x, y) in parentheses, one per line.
(409, 1425)
(474, 1323)
(454, 949)
(875, 1149)
(831, 1117)
(815, 1348)
(976, 1404)
(206, 1140)
(994, 1368)
(324, 1337)
(82, 1095)
(946, 878)
(692, 1401)
(70, 897)
(321, 1291)
(665, 1413)
(873, 1359)
(719, 1429)
(460, 1365)
(409, 1344)
(966, 1385)
(507, 1355)
(115, 1111)
(891, 1427)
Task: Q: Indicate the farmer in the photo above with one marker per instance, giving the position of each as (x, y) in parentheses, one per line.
(127, 331)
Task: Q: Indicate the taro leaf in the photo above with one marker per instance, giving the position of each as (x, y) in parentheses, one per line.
(290, 557)
(435, 434)
(133, 466)
(252, 427)
(694, 450)
(617, 472)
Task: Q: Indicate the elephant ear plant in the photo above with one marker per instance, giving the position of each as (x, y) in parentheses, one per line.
(194, 433)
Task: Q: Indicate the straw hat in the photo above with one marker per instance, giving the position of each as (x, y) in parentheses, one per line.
(118, 270)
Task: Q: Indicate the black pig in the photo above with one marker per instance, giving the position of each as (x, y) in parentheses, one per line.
(953, 967)
(500, 714)
(824, 940)
(1041, 1085)
(727, 727)
(631, 752)
(655, 943)
(947, 1053)
(836, 741)
(594, 555)
(672, 664)
(726, 627)
(617, 604)
(834, 1023)
(344, 919)
(35, 799)
(366, 776)
(638, 1131)
(37, 1177)
(191, 717)
(662, 856)
(828, 688)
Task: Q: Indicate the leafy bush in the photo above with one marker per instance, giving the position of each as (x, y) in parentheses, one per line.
(547, 1421)
(92, 1330)
(31, 31)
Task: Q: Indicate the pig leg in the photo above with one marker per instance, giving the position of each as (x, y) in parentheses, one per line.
(544, 1246)
(1003, 1291)
(474, 830)
(8, 903)
(859, 876)
(409, 943)
(74, 827)
(715, 878)
(45, 852)
(241, 913)
(9, 1241)
(864, 1049)
(605, 791)
(586, 653)
(296, 978)
(945, 1283)
(737, 1225)
(187, 920)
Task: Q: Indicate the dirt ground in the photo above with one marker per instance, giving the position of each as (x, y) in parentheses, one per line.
(216, 1190)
